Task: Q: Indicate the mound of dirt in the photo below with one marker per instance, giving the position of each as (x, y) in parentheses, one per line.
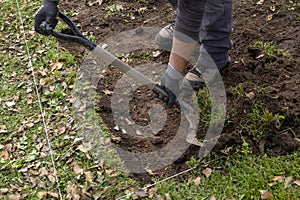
(265, 71)
(274, 79)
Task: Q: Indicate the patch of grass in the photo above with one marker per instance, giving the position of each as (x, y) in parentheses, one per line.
(270, 49)
(238, 91)
(259, 120)
(245, 176)
(204, 105)
(246, 149)
(114, 10)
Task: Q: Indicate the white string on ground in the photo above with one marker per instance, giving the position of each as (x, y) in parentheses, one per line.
(158, 182)
(22, 30)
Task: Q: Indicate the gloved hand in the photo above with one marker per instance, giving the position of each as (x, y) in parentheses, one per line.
(170, 83)
(45, 18)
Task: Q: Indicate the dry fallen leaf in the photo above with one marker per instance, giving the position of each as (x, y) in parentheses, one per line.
(71, 189)
(53, 194)
(275, 180)
(77, 140)
(207, 172)
(265, 194)
(106, 191)
(260, 56)
(61, 130)
(156, 53)
(3, 191)
(116, 128)
(134, 196)
(10, 104)
(278, 178)
(269, 18)
(152, 192)
(39, 146)
(150, 172)
(16, 98)
(43, 172)
(197, 181)
(260, 2)
(168, 197)
(83, 148)
(272, 184)
(4, 154)
(3, 129)
(14, 197)
(297, 182)
(115, 138)
(99, 2)
(77, 169)
(44, 81)
(272, 8)
(141, 193)
(287, 181)
(41, 184)
(159, 197)
(52, 88)
(55, 66)
(213, 197)
(107, 92)
(89, 176)
(250, 95)
(51, 178)
(29, 125)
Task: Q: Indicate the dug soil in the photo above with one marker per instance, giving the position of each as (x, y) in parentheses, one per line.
(261, 79)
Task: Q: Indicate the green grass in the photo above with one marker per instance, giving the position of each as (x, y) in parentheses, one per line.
(259, 121)
(245, 177)
(204, 104)
(25, 163)
(270, 49)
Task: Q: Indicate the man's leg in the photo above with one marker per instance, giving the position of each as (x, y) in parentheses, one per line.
(216, 30)
(215, 41)
(186, 35)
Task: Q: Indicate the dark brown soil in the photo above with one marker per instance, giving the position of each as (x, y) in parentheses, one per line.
(270, 81)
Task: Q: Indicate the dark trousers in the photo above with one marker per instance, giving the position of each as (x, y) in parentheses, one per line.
(207, 21)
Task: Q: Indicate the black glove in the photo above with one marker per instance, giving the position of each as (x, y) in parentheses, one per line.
(170, 83)
(45, 18)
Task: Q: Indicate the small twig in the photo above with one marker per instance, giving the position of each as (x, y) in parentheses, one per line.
(169, 178)
(156, 183)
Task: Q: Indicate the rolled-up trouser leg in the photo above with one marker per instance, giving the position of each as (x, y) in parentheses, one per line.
(215, 31)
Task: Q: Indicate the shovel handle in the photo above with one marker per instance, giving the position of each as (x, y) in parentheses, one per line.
(101, 53)
(80, 39)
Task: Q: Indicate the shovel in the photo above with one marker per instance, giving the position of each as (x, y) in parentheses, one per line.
(77, 37)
